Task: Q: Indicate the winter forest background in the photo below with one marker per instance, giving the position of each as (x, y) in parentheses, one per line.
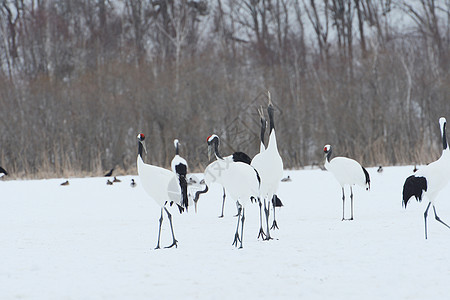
(80, 78)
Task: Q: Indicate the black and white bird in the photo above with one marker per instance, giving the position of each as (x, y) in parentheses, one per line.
(161, 185)
(380, 169)
(276, 202)
(213, 148)
(3, 172)
(430, 179)
(239, 179)
(269, 165)
(132, 183)
(179, 167)
(347, 172)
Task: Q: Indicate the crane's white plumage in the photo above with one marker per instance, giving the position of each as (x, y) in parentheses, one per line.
(270, 167)
(239, 179)
(430, 179)
(159, 183)
(347, 171)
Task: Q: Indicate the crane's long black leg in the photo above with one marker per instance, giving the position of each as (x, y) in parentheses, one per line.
(439, 219)
(267, 211)
(236, 235)
(242, 227)
(159, 232)
(425, 214)
(174, 241)
(351, 197)
(238, 206)
(274, 224)
(223, 202)
(343, 204)
(261, 231)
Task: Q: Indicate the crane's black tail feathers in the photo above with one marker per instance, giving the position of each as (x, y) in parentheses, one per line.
(367, 178)
(414, 186)
(241, 157)
(3, 171)
(181, 171)
(276, 201)
(184, 193)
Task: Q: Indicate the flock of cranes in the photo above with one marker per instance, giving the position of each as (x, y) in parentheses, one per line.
(247, 180)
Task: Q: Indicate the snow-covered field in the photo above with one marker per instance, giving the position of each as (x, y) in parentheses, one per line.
(89, 240)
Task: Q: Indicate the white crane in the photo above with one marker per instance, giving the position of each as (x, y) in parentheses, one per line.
(347, 172)
(270, 168)
(161, 185)
(430, 180)
(213, 147)
(239, 179)
(179, 167)
(276, 202)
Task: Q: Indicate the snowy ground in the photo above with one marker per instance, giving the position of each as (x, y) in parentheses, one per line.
(93, 241)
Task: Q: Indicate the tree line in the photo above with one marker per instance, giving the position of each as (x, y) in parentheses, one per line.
(79, 79)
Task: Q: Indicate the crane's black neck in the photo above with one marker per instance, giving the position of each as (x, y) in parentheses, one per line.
(444, 137)
(328, 155)
(271, 121)
(140, 147)
(177, 151)
(216, 148)
(263, 129)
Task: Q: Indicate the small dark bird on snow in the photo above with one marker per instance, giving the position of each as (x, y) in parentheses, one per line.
(415, 169)
(65, 182)
(192, 181)
(116, 180)
(380, 169)
(109, 173)
(109, 182)
(286, 179)
(133, 183)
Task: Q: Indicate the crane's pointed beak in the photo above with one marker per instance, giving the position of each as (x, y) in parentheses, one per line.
(210, 151)
(145, 148)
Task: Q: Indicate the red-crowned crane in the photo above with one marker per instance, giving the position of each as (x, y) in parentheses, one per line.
(161, 185)
(213, 147)
(430, 180)
(347, 172)
(270, 168)
(239, 179)
(276, 202)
